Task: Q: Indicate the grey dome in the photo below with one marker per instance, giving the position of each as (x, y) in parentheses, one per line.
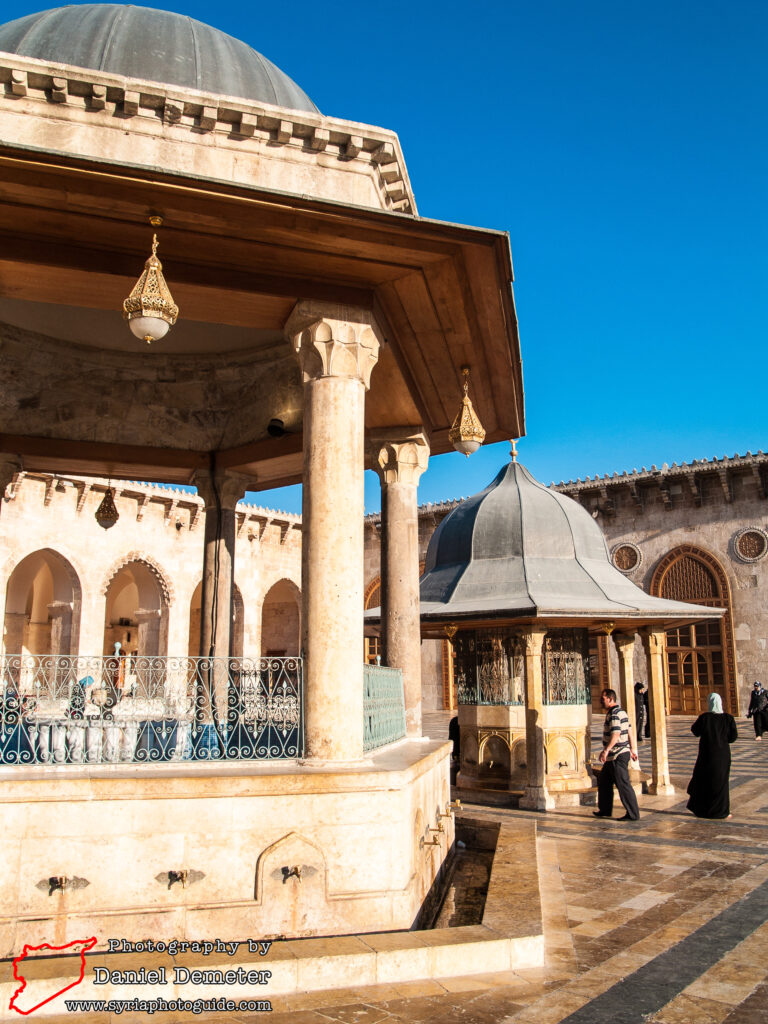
(159, 46)
(519, 549)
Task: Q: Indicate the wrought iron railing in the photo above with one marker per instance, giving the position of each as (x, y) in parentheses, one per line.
(130, 709)
(383, 706)
(565, 665)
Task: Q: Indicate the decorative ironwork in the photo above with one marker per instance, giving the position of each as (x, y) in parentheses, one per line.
(383, 706)
(566, 667)
(129, 709)
(489, 667)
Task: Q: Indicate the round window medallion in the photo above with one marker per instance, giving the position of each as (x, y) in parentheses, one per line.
(627, 557)
(751, 544)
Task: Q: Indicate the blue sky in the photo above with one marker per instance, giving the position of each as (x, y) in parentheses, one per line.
(624, 148)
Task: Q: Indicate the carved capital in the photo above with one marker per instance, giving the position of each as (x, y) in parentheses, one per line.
(10, 465)
(333, 340)
(533, 642)
(399, 456)
(229, 487)
(654, 641)
(624, 643)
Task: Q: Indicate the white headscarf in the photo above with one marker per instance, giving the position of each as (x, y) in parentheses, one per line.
(715, 703)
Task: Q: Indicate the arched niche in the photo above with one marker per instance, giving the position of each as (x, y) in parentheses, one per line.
(137, 599)
(195, 622)
(43, 606)
(699, 658)
(281, 620)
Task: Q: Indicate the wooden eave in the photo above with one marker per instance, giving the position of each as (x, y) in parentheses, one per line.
(75, 231)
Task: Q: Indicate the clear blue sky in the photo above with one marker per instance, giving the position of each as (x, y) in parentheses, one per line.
(624, 148)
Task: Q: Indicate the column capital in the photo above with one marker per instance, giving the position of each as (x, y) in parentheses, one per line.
(533, 641)
(654, 640)
(334, 340)
(230, 487)
(10, 465)
(400, 455)
(623, 642)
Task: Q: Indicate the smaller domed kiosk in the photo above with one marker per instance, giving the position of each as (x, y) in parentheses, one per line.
(517, 577)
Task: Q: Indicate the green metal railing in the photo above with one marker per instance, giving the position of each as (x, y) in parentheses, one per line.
(383, 706)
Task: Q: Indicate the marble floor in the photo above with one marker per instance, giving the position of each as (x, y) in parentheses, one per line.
(661, 921)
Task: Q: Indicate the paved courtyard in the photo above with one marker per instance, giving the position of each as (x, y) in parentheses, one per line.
(662, 921)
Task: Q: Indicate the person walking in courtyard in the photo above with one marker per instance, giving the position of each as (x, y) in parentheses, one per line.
(758, 709)
(618, 747)
(708, 788)
(640, 711)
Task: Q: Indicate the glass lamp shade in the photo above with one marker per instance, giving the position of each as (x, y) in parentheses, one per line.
(148, 328)
(467, 446)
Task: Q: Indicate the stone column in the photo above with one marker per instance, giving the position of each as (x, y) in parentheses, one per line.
(60, 613)
(148, 640)
(220, 492)
(655, 646)
(536, 796)
(625, 648)
(399, 459)
(337, 347)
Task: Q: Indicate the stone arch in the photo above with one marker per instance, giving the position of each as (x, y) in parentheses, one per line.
(692, 574)
(562, 753)
(152, 564)
(43, 605)
(281, 620)
(494, 757)
(371, 598)
(137, 599)
(291, 879)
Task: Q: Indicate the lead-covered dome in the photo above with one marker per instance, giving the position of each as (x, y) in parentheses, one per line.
(159, 46)
(519, 549)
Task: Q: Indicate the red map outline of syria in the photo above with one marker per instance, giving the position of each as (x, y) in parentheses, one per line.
(86, 945)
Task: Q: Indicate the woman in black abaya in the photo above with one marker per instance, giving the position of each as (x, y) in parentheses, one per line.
(708, 788)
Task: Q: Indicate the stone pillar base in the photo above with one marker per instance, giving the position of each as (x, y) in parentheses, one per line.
(661, 789)
(323, 764)
(536, 798)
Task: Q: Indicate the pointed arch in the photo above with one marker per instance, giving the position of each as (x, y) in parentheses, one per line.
(43, 605)
(700, 658)
(281, 619)
(137, 598)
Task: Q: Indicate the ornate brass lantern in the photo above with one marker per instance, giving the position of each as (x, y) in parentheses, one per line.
(150, 309)
(467, 434)
(106, 514)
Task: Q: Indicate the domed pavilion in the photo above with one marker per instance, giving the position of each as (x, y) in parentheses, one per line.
(517, 577)
(292, 321)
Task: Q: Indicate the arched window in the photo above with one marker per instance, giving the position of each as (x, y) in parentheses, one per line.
(699, 657)
(373, 647)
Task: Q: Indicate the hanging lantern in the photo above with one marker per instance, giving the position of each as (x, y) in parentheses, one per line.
(106, 514)
(467, 434)
(150, 309)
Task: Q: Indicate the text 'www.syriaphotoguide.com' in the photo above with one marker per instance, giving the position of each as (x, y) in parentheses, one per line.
(161, 1005)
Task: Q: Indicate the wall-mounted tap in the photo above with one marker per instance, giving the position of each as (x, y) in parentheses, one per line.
(292, 872)
(428, 842)
(57, 883)
(178, 876)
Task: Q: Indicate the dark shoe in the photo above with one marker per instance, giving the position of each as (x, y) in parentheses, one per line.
(626, 817)
(597, 814)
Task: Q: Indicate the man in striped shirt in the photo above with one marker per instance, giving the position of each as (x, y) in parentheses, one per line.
(618, 747)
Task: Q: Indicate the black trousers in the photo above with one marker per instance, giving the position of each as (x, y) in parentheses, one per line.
(760, 723)
(616, 773)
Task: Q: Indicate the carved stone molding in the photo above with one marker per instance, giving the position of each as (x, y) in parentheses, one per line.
(399, 457)
(334, 340)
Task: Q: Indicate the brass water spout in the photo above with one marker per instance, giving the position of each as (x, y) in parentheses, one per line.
(428, 842)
